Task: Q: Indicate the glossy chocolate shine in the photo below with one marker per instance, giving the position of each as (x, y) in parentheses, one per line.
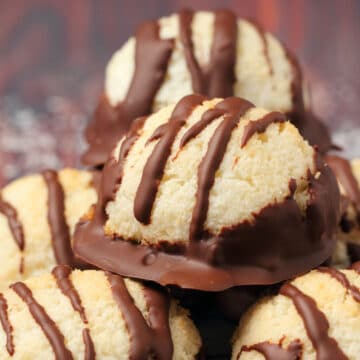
(216, 79)
(231, 258)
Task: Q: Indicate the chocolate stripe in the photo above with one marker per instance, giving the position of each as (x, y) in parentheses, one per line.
(158, 304)
(199, 126)
(47, 325)
(276, 351)
(316, 324)
(6, 325)
(220, 73)
(143, 340)
(155, 165)
(185, 21)
(260, 125)
(218, 77)
(15, 226)
(61, 274)
(233, 109)
(89, 345)
(111, 123)
(342, 279)
(60, 233)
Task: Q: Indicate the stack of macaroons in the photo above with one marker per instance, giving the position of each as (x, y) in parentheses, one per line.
(209, 53)
(196, 190)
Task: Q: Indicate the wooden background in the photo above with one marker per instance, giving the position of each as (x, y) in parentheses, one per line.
(53, 53)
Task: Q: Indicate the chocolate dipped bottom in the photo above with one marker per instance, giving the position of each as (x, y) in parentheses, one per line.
(308, 319)
(209, 53)
(210, 194)
(38, 214)
(348, 235)
(93, 315)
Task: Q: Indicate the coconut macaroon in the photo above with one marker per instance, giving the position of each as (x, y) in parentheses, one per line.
(315, 316)
(210, 53)
(348, 245)
(92, 315)
(38, 214)
(208, 194)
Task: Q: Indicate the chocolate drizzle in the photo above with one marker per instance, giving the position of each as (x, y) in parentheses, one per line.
(89, 345)
(316, 324)
(145, 340)
(276, 351)
(61, 274)
(155, 165)
(217, 78)
(220, 76)
(342, 279)
(6, 325)
(60, 233)
(110, 123)
(15, 226)
(232, 109)
(185, 20)
(47, 325)
(260, 125)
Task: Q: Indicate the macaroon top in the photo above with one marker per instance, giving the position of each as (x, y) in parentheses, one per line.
(209, 53)
(314, 317)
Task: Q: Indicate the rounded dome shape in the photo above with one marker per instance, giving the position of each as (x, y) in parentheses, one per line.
(208, 194)
(209, 53)
(314, 317)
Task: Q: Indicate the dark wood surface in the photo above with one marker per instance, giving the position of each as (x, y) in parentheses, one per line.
(53, 53)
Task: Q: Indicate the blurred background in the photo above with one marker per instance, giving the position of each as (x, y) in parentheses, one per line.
(53, 54)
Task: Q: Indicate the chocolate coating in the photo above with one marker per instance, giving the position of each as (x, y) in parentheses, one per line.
(62, 276)
(60, 233)
(154, 339)
(6, 325)
(238, 255)
(15, 226)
